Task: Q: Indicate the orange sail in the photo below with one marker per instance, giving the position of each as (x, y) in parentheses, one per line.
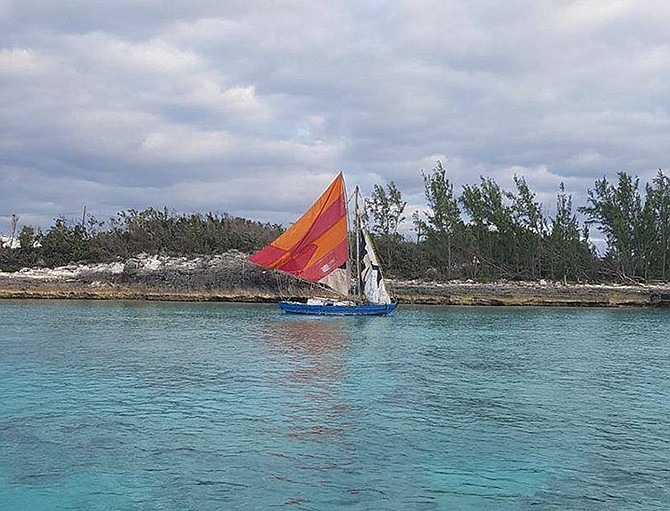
(316, 245)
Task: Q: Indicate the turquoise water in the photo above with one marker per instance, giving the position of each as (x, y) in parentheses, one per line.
(148, 406)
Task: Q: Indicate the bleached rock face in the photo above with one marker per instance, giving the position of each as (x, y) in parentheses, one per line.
(116, 268)
(228, 271)
(67, 272)
(142, 264)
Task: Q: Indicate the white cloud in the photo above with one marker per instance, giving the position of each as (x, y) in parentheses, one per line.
(22, 61)
(213, 104)
(591, 15)
(151, 56)
(178, 144)
(207, 91)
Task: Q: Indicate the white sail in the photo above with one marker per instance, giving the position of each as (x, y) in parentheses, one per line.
(338, 281)
(372, 282)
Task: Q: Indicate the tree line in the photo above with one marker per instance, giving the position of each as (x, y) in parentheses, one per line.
(482, 233)
(487, 232)
(131, 232)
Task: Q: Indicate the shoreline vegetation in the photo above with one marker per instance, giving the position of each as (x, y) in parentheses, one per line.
(484, 245)
(229, 278)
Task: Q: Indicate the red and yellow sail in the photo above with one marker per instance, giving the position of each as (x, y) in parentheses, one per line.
(315, 245)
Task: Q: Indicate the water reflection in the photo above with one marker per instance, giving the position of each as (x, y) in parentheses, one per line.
(317, 417)
(313, 348)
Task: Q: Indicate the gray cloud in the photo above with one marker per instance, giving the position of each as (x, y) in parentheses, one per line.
(252, 108)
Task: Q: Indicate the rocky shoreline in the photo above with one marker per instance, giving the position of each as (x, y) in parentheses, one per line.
(228, 277)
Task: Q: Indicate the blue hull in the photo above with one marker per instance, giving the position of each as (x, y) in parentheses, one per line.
(337, 310)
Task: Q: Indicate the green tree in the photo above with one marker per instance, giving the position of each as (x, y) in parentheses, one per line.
(64, 243)
(569, 252)
(530, 230)
(27, 238)
(441, 223)
(618, 213)
(492, 227)
(27, 253)
(386, 207)
(658, 208)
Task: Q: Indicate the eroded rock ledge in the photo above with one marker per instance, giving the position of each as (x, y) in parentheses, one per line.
(228, 277)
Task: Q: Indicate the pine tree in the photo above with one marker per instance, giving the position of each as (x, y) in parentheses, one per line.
(441, 223)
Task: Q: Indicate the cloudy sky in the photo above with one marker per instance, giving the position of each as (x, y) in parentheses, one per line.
(251, 107)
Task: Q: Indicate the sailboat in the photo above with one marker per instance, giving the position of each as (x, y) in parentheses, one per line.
(316, 249)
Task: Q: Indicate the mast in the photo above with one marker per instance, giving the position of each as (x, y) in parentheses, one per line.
(346, 214)
(358, 244)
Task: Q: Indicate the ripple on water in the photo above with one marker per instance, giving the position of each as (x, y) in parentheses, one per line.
(221, 406)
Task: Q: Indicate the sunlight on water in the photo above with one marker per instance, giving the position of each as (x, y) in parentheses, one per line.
(218, 406)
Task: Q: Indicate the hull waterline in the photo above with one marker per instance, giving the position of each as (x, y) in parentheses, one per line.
(338, 310)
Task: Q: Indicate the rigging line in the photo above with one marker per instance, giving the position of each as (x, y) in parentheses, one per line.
(278, 283)
(282, 277)
(321, 286)
(291, 275)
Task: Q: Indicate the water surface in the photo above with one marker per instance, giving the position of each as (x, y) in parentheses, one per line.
(127, 405)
